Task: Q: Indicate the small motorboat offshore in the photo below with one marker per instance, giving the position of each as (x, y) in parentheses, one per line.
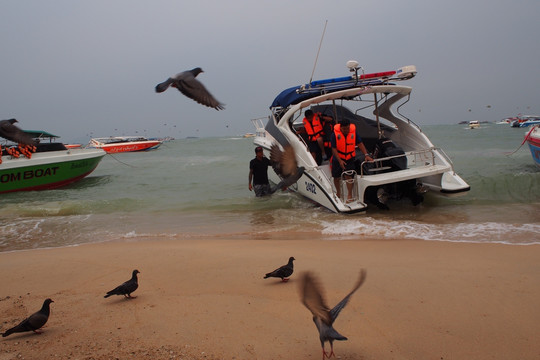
(118, 144)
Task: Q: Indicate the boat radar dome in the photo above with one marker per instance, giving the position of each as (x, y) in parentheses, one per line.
(406, 72)
(353, 65)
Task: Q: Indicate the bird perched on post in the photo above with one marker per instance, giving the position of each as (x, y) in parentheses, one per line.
(283, 272)
(186, 83)
(312, 297)
(34, 322)
(13, 133)
(285, 165)
(126, 288)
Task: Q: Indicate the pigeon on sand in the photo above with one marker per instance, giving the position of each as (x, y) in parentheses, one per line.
(13, 133)
(283, 272)
(285, 165)
(34, 322)
(126, 288)
(186, 83)
(324, 317)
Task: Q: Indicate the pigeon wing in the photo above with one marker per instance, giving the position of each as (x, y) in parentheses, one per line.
(312, 297)
(336, 310)
(122, 289)
(289, 165)
(275, 158)
(37, 320)
(195, 90)
(284, 162)
(13, 133)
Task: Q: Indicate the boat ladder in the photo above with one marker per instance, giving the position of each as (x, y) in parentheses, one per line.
(349, 182)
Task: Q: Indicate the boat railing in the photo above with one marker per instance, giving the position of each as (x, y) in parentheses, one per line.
(416, 158)
(259, 124)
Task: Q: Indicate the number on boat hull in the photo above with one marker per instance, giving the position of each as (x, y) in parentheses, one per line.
(311, 187)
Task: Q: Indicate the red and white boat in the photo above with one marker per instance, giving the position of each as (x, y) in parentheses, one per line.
(118, 144)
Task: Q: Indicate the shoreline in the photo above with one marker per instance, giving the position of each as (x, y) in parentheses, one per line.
(206, 299)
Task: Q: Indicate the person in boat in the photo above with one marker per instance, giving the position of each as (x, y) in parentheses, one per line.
(314, 124)
(345, 139)
(258, 173)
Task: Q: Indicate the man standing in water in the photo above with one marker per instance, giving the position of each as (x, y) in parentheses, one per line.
(258, 173)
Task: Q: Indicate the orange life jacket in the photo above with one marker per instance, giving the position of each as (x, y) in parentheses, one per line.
(345, 145)
(313, 129)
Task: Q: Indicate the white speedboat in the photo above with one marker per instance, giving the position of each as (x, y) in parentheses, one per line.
(370, 101)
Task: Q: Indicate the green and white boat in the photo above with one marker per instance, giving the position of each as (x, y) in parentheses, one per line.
(51, 166)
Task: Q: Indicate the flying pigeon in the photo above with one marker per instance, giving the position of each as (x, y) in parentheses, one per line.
(13, 133)
(186, 83)
(34, 321)
(285, 165)
(282, 272)
(126, 288)
(312, 297)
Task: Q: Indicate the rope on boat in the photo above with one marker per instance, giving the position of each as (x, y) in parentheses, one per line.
(523, 142)
(121, 162)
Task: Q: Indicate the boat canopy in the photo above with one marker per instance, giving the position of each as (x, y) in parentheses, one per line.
(297, 94)
(40, 134)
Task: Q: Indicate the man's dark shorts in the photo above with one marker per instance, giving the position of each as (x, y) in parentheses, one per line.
(313, 147)
(337, 170)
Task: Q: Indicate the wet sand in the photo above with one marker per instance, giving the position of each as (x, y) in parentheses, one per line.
(206, 299)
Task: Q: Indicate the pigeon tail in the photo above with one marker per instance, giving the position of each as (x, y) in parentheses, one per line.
(161, 87)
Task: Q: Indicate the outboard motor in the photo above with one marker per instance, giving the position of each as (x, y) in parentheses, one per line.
(386, 148)
(378, 196)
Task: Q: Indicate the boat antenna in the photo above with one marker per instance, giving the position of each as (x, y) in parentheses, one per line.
(317, 57)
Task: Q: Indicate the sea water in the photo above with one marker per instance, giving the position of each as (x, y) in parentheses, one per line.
(198, 188)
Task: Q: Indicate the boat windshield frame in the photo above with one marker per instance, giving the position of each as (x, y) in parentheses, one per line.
(285, 116)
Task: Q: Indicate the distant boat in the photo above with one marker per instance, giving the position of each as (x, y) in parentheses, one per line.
(73, 146)
(118, 144)
(473, 124)
(533, 140)
(248, 135)
(530, 120)
(526, 120)
(52, 165)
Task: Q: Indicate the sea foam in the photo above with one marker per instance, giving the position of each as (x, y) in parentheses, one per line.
(516, 234)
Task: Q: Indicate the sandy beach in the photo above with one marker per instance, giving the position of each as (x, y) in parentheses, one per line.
(206, 299)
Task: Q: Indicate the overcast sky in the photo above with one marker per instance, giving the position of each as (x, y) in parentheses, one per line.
(89, 68)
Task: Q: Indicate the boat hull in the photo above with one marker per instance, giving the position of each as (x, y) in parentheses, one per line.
(48, 170)
(129, 146)
(533, 140)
